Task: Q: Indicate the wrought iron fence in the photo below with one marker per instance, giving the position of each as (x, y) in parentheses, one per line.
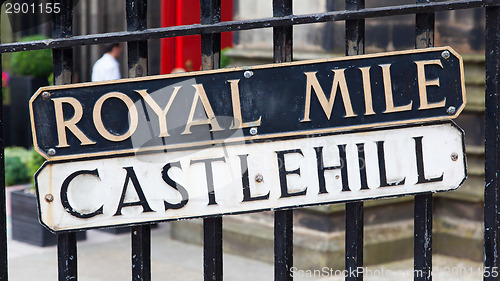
(282, 23)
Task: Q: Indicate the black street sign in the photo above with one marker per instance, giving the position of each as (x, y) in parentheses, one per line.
(288, 100)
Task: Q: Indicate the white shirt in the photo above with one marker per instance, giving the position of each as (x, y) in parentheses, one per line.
(106, 68)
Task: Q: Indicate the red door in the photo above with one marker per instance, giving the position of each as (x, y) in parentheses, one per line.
(183, 53)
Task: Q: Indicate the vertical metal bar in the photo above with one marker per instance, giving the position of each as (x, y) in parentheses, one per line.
(424, 37)
(62, 27)
(67, 256)
(141, 253)
(210, 43)
(283, 220)
(138, 66)
(283, 245)
(212, 249)
(3, 204)
(423, 237)
(283, 35)
(492, 145)
(355, 30)
(137, 50)
(210, 13)
(354, 213)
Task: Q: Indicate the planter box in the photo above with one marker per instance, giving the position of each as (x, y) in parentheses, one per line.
(25, 224)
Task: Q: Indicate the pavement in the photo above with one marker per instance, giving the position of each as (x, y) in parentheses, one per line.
(105, 256)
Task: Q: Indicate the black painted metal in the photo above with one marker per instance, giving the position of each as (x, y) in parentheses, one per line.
(264, 82)
(282, 35)
(283, 245)
(212, 249)
(67, 256)
(141, 252)
(354, 213)
(137, 51)
(157, 33)
(210, 42)
(355, 30)
(4, 276)
(283, 220)
(63, 74)
(492, 146)
(63, 57)
(210, 13)
(424, 38)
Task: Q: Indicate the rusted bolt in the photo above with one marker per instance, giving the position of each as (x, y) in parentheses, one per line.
(454, 156)
(259, 178)
(337, 177)
(253, 131)
(248, 74)
(45, 95)
(49, 198)
(51, 152)
(445, 55)
(451, 110)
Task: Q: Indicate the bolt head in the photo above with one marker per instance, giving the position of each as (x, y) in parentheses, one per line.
(259, 178)
(253, 131)
(451, 110)
(454, 156)
(248, 74)
(445, 55)
(51, 152)
(45, 95)
(49, 198)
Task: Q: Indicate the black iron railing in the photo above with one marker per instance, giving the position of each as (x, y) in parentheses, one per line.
(282, 23)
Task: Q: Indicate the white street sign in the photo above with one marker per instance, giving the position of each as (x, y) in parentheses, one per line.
(246, 177)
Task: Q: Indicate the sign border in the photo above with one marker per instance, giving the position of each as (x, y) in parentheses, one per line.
(447, 122)
(246, 138)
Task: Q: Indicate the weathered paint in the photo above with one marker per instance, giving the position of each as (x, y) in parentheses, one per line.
(290, 171)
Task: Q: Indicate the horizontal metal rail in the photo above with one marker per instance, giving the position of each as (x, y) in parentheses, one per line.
(195, 29)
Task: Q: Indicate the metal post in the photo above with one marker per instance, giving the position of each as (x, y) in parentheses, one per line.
(424, 38)
(141, 253)
(210, 13)
(137, 67)
(354, 213)
(492, 146)
(63, 74)
(283, 220)
(212, 249)
(67, 256)
(3, 211)
(137, 50)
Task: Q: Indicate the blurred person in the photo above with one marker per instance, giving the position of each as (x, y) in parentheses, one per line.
(108, 67)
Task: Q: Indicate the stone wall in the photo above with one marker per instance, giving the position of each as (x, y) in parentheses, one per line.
(461, 29)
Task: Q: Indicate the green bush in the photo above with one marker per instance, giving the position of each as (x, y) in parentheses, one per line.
(16, 151)
(15, 171)
(224, 59)
(36, 63)
(21, 164)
